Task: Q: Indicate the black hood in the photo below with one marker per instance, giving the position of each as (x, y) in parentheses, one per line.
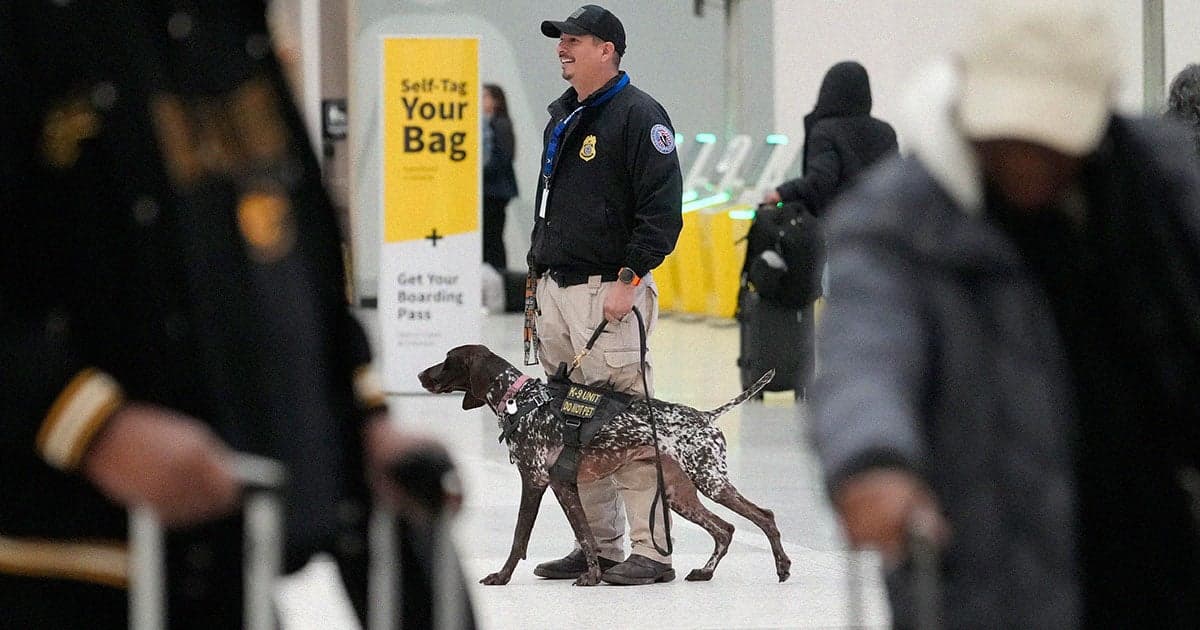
(845, 91)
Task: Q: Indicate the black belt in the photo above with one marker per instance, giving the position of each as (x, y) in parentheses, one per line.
(566, 279)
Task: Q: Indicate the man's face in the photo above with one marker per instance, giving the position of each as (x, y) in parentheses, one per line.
(583, 57)
(1029, 176)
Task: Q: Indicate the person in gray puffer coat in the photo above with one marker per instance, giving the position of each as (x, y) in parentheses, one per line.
(1011, 349)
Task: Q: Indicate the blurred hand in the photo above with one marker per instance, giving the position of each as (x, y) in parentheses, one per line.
(879, 508)
(154, 456)
(618, 301)
(772, 198)
(423, 490)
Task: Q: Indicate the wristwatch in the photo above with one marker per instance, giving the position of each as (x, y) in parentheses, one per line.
(627, 276)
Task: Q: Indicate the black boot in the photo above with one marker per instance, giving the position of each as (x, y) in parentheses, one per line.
(639, 570)
(569, 567)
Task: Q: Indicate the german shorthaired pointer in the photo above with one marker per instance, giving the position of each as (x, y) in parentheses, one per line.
(692, 448)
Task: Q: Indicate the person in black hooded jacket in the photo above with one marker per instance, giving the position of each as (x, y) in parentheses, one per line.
(841, 140)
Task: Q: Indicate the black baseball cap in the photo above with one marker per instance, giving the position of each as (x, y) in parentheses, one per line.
(589, 19)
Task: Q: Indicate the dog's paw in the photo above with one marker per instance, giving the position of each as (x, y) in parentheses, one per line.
(699, 575)
(496, 579)
(783, 569)
(591, 578)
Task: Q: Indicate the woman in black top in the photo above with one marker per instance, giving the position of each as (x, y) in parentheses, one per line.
(499, 181)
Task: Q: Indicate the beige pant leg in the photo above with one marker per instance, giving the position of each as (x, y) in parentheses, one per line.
(559, 326)
(638, 483)
(616, 361)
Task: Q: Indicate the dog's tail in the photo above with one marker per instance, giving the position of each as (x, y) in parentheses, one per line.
(742, 397)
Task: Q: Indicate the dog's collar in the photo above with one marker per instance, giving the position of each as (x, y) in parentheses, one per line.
(501, 406)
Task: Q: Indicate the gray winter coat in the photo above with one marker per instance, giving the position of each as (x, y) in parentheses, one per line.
(939, 353)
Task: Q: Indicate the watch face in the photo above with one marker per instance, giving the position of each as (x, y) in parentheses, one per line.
(625, 275)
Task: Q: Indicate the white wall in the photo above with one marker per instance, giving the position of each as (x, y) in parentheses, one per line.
(892, 38)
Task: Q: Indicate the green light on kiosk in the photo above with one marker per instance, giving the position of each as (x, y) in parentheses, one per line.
(706, 138)
(690, 195)
(777, 138)
(678, 139)
(706, 202)
(741, 215)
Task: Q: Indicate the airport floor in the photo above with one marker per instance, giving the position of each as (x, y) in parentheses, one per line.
(770, 461)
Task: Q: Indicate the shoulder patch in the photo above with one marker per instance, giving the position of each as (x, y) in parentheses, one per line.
(662, 138)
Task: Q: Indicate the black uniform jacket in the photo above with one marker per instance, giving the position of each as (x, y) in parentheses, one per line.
(156, 186)
(616, 192)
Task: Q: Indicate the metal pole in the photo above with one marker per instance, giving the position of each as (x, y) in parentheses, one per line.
(1154, 64)
(733, 68)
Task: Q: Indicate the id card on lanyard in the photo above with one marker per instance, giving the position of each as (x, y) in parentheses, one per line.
(556, 137)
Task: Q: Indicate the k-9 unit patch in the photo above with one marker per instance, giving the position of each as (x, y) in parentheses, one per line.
(662, 139)
(588, 150)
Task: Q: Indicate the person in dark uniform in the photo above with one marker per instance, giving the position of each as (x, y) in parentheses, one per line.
(608, 211)
(171, 291)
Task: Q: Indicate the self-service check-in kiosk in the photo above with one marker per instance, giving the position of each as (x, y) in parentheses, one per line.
(685, 277)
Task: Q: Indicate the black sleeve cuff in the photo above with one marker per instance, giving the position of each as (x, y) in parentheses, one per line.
(639, 264)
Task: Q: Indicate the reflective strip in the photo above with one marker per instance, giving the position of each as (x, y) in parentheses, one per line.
(368, 388)
(80, 410)
(99, 563)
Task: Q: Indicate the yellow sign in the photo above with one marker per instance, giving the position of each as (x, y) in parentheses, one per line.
(430, 138)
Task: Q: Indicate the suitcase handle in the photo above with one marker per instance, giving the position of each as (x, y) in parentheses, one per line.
(263, 479)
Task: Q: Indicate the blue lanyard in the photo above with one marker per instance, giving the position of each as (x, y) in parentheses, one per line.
(561, 127)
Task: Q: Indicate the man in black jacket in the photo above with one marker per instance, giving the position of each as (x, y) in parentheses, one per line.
(171, 291)
(608, 212)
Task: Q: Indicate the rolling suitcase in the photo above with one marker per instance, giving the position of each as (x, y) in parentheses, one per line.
(774, 336)
(263, 480)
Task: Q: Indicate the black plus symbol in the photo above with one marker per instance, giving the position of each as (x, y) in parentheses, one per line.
(434, 237)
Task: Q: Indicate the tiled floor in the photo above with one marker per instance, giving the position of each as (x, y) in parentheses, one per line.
(769, 460)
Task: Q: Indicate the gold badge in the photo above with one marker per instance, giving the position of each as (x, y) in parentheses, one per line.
(264, 219)
(588, 150)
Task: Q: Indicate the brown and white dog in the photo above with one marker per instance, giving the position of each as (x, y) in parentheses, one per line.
(692, 451)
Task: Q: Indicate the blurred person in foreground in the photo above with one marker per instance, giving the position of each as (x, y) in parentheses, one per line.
(1010, 354)
(171, 291)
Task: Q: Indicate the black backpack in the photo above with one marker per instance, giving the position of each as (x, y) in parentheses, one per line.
(784, 255)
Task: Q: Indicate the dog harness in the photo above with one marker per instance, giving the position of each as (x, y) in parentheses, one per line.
(581, 412)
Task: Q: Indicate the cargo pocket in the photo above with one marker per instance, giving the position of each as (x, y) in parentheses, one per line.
(625, 369)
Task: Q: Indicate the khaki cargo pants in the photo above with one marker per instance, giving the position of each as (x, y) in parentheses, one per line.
(568, 318)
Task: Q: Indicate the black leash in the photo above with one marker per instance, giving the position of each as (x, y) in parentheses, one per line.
(660, 496)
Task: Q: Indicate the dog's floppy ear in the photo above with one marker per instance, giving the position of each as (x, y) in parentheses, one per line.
(471, 402)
